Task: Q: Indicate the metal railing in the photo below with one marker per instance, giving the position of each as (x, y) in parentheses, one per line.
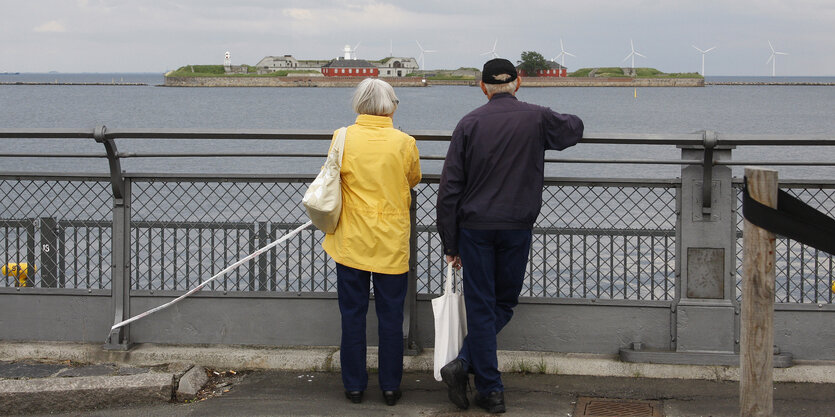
(599, 239)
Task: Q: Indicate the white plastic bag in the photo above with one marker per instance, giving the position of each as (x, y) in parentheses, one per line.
(450, 322)
(323, 199)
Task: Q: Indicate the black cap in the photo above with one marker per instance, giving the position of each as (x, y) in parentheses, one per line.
(498, 71)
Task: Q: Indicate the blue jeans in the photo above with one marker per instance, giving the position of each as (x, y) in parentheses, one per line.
(494, 269)
(389, 294)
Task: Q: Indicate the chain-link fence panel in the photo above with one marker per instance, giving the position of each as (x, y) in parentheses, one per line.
(607, 241)
(59, 229)
(184, 232)
(300, 264)
(803, 274)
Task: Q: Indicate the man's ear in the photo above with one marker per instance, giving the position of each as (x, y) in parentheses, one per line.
(483, 88)
(518, 84)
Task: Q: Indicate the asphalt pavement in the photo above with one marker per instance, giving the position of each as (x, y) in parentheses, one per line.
(284, 393)
(608, 388)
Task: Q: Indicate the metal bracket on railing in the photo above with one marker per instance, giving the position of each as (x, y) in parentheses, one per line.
(710, 138)
(116, 178)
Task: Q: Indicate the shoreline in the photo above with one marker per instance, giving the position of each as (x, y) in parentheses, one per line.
(69, 83)
(295, 82)
(290, 82)
(810, 83)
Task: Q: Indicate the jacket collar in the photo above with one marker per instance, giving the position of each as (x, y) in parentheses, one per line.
(374, 121)
(502, 96)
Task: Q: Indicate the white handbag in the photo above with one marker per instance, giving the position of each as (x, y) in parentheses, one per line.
(323, 199)
(450, 322)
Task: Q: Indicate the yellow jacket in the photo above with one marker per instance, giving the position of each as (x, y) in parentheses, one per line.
(380, 165)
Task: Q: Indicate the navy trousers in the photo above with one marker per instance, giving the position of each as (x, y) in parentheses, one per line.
(494, 269)
(389, 294)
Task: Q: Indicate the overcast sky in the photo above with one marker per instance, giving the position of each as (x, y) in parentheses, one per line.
(159, 35)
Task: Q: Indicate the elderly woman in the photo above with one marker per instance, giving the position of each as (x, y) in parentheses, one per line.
(380, 165)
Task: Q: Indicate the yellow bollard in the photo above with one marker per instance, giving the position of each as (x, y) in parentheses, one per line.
(19, 271)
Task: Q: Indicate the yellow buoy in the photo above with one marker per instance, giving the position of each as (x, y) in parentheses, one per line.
(19, 271)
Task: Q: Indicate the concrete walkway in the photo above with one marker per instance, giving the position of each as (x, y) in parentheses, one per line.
(307, 382)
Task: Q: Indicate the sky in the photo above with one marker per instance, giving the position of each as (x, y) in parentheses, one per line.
(161, 35)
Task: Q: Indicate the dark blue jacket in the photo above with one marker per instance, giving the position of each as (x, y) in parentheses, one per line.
(494, 168)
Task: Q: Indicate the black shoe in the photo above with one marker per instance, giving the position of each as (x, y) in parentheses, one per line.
(493, 402)
(354, 396)
(455, 376)
(391, 397)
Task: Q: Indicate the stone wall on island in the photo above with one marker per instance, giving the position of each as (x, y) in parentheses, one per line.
(319, 81)
(611, 82)
(293, 81)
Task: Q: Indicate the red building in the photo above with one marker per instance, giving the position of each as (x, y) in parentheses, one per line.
(341, 67)
(554, 70)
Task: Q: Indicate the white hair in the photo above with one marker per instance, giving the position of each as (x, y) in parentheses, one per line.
(502, 88)
(375, 97)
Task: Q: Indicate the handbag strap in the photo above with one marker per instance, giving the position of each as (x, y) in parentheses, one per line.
(338, 144)
(450, 273)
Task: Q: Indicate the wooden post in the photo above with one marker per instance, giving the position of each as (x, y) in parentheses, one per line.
(757, 319)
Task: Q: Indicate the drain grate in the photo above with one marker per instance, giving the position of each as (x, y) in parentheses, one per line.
(609, 407)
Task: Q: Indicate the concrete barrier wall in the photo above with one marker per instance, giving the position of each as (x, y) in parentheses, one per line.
(59, 317)
(582, 326)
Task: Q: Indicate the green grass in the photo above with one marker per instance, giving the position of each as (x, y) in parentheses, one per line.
(684, 75)
(613, 72)
(524, 367)
(610, 72)
(582, 72)
(451, 77)
(648, 72)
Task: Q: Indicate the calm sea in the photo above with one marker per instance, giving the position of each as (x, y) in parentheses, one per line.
(794, 110)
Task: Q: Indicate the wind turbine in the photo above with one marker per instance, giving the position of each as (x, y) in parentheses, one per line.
(632, 54)
(773, 58)
(703, 56)
(562, 55)
(422, 57)
(492, 52)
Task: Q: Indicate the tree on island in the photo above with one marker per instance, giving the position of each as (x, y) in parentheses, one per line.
(532, 62)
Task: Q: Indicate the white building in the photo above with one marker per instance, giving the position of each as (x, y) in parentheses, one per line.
(397, 66)
(287, 62)
(388, 67)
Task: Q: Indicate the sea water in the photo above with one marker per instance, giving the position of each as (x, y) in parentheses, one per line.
(748, 109)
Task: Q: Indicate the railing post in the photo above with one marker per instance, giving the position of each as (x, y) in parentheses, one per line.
(118, 339)
(49, 253)
(705, 311)
(263, 239)
(30, 253)
(756, 397)
(410, 343)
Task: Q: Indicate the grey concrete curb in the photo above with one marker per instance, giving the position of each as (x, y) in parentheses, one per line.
(327, 359)
(83, 393)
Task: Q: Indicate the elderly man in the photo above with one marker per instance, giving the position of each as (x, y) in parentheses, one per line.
(488, 200)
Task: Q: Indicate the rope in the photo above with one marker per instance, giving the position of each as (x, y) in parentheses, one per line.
(793, 219)
(219, 274)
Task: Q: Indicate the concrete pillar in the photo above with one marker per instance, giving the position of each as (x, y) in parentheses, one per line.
(705, 314)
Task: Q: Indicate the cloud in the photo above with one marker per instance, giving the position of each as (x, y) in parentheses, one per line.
(298, 14)
(51, 26)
